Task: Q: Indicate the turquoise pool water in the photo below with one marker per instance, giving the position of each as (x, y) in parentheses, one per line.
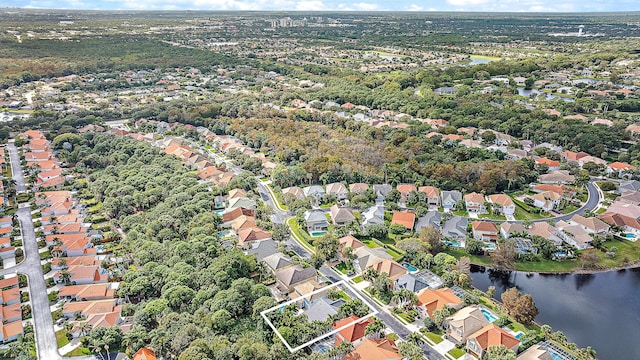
(518, 335)
(452, 243)
(219, 212)
(490, 246)
(317, 233)
(555, 356)
(225, 233)
(489, 316)
(629, 236)
(410, 267)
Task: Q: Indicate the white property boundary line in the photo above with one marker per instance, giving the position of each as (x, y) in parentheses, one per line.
(312, 341)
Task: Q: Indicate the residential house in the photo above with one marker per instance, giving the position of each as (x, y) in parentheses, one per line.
(315, 191)
(382, 190)
(455, 228)
(305, 293)
(507, 229)
(557, 177)
(373, 216)
(410, 282)
(87, 292)
(231, 215)
(354, 333)
(404, 190)
(592, 159)
(545, 230)
(321, 309)
(389, 267)
(547, 200)
(575, 235)
(144, 354)
(536, 352)
(405, 218)
(249, 237)
(241, 202)
(569, 156)
(503, 204)
(316, 221)
(294, 275)
(464, 323)
(630, 210)
(262, 249)
(474, 203)
(294, 191)
(484, 230)
(375, 349)
(431, 218)
(341, 216)
(236, 193)
(619, 168)
(81, 275)
(592, 225)
(367, 257)
(632, 185)
(350, 242)
(358, 188)
(432, 195)
(628, 224)
(430, 300)
(277, 261)
(11, 330)
(630, 197)
(338, 190)
(450, 199)
(490, 335)
(552, 164)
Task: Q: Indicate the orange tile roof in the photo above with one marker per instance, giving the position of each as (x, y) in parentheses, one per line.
(144, 354)
(405, 218)
(492, 335)
(11, 329)
(406, 188)
(9, 282)
(484, 226)
(474, 197)
(375, 349)
(430, 191)
(390, 267)
(434, 300)
(549, 162)
(355, 331)
(350, 241)
(621, 166)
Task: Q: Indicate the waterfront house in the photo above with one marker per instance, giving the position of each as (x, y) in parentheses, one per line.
(430, 300)
(491, 335)
(484, 230)
(464, 323)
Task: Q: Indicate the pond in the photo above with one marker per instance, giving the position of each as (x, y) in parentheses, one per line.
(598, 310)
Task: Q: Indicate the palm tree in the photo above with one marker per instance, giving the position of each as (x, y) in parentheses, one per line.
(415, 338)
(375, 329)
(96, 347)
(85, 328)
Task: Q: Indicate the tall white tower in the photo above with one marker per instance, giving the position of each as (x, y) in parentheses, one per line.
(580, 29)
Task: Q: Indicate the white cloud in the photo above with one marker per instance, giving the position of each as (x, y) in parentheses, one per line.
(415, 7)
(468, 2)
(310, 5)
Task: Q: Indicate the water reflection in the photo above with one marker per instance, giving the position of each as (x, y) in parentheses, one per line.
(600, 310)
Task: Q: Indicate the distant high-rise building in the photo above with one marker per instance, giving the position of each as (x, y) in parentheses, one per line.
(580, 29)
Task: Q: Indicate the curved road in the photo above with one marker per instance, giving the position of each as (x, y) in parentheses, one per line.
(46, 345)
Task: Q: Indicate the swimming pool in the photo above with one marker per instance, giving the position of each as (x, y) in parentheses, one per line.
(490, 246)
(219, 212)
(410, 267)
(225, 233)
(555, 356)
(518, 335)
(488, 315)
(452, 243)
(630, 236)
(317, 233)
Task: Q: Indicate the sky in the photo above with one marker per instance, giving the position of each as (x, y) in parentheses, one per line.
(338, 5)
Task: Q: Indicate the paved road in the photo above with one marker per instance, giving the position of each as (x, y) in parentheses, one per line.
(18, 175)
(279, 216)
(46, 345)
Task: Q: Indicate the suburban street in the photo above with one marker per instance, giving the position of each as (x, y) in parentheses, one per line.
(46, 345)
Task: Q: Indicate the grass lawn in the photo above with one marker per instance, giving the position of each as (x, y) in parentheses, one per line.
(522, 214)
(434, 337)
(569, 208)
(396, 256)
(483, 57)
(627, 250)
(492, 217)
(357, 279)
(370, 243)
(544, 265)
(456, 353)
(45, 255)
(459, 212)
(326, 206)
(299, 233)
(342, 268)
(79, 351)
(61, 338)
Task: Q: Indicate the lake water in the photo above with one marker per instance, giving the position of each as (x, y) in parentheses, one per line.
(597, 310)
(477, 60)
